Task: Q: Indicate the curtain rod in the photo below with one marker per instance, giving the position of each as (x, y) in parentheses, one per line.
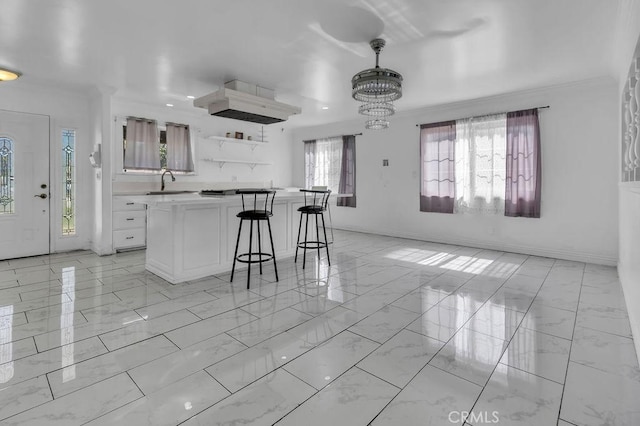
(494, 113)
(126, 117)
(122, 117)
(167, 123)
(336, 136)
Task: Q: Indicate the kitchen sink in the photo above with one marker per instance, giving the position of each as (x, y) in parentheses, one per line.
(170, 192)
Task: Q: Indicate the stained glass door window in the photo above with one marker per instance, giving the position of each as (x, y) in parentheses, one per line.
(68, 182)
(7, 202)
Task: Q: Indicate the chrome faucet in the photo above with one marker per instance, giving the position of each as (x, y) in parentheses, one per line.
(173, 179)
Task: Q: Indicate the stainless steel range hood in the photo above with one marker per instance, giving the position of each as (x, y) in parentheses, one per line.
(247, 102)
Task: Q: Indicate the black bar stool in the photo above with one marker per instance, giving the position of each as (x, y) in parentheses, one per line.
(315, 203)
(259, 210)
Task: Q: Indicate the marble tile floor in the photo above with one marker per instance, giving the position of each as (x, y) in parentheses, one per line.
(394, 332)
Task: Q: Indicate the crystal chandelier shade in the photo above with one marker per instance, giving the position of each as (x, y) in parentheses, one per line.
(377, 109)
(376, 124)
(377, 88)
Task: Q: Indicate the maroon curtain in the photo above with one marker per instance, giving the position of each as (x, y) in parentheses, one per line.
(437, 190)
(524, 169)
(347, 183)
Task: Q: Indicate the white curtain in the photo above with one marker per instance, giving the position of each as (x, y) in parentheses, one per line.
(480, 165)
(309, 163)
(179, 156)
(142, 151)
(328, 162)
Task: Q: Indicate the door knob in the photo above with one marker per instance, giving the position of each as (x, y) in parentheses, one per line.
(43, 195)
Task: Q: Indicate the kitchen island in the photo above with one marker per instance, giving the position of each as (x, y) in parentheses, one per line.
(190, 236)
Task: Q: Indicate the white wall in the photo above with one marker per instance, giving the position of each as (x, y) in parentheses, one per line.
(629, 193)
(277, 151)
(66, 109)
(579, 181)
(109, 113)
(101, 128)
(629, 265)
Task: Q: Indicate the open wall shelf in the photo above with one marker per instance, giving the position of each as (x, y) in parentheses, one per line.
(221, 162)
(221, 140)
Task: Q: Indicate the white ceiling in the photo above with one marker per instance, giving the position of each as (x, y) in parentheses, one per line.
(160, 51)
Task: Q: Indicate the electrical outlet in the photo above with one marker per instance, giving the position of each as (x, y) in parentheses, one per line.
(385, 163)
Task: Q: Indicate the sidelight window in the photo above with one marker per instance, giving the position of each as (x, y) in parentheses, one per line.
(68, 182)
(7, 201)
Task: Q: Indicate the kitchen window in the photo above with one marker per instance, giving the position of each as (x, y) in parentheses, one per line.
(146, 148)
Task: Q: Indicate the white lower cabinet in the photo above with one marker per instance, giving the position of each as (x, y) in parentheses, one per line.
(129, 224)
(192, 238)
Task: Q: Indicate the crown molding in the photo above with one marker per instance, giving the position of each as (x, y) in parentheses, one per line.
(454, 106)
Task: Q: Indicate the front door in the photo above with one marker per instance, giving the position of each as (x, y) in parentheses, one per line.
(24, 184)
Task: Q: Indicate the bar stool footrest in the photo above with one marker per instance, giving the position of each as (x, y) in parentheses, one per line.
(261, 257)
(311, 245)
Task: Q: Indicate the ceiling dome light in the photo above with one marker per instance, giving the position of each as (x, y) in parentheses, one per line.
(377, 88)
(7, 75)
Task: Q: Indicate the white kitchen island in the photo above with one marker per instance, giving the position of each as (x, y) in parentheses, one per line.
(191, 236)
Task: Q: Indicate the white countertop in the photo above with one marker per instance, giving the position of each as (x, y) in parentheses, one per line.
(196, 198)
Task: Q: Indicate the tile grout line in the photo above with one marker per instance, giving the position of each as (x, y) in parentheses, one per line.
(332, 381)
(445, 343)
(38, 405)
(82, 361)
(374, 375)
(575, 323)
(509, 342)
(355, 366)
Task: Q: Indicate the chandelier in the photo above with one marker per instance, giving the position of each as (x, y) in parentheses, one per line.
(377, 88)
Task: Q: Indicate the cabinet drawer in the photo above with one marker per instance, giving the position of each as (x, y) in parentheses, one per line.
(129, 238)
(129, 219)
(123, 203)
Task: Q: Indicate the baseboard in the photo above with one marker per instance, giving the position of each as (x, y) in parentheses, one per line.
(101, 251)
(634, 321)
(512, 248)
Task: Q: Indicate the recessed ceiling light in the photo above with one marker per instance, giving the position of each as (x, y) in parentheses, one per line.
(6, 75)
(325, 107)
(190, 97)
(169, 105)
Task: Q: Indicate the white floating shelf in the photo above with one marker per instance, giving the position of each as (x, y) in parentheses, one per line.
(222, 140)
(222, 162)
